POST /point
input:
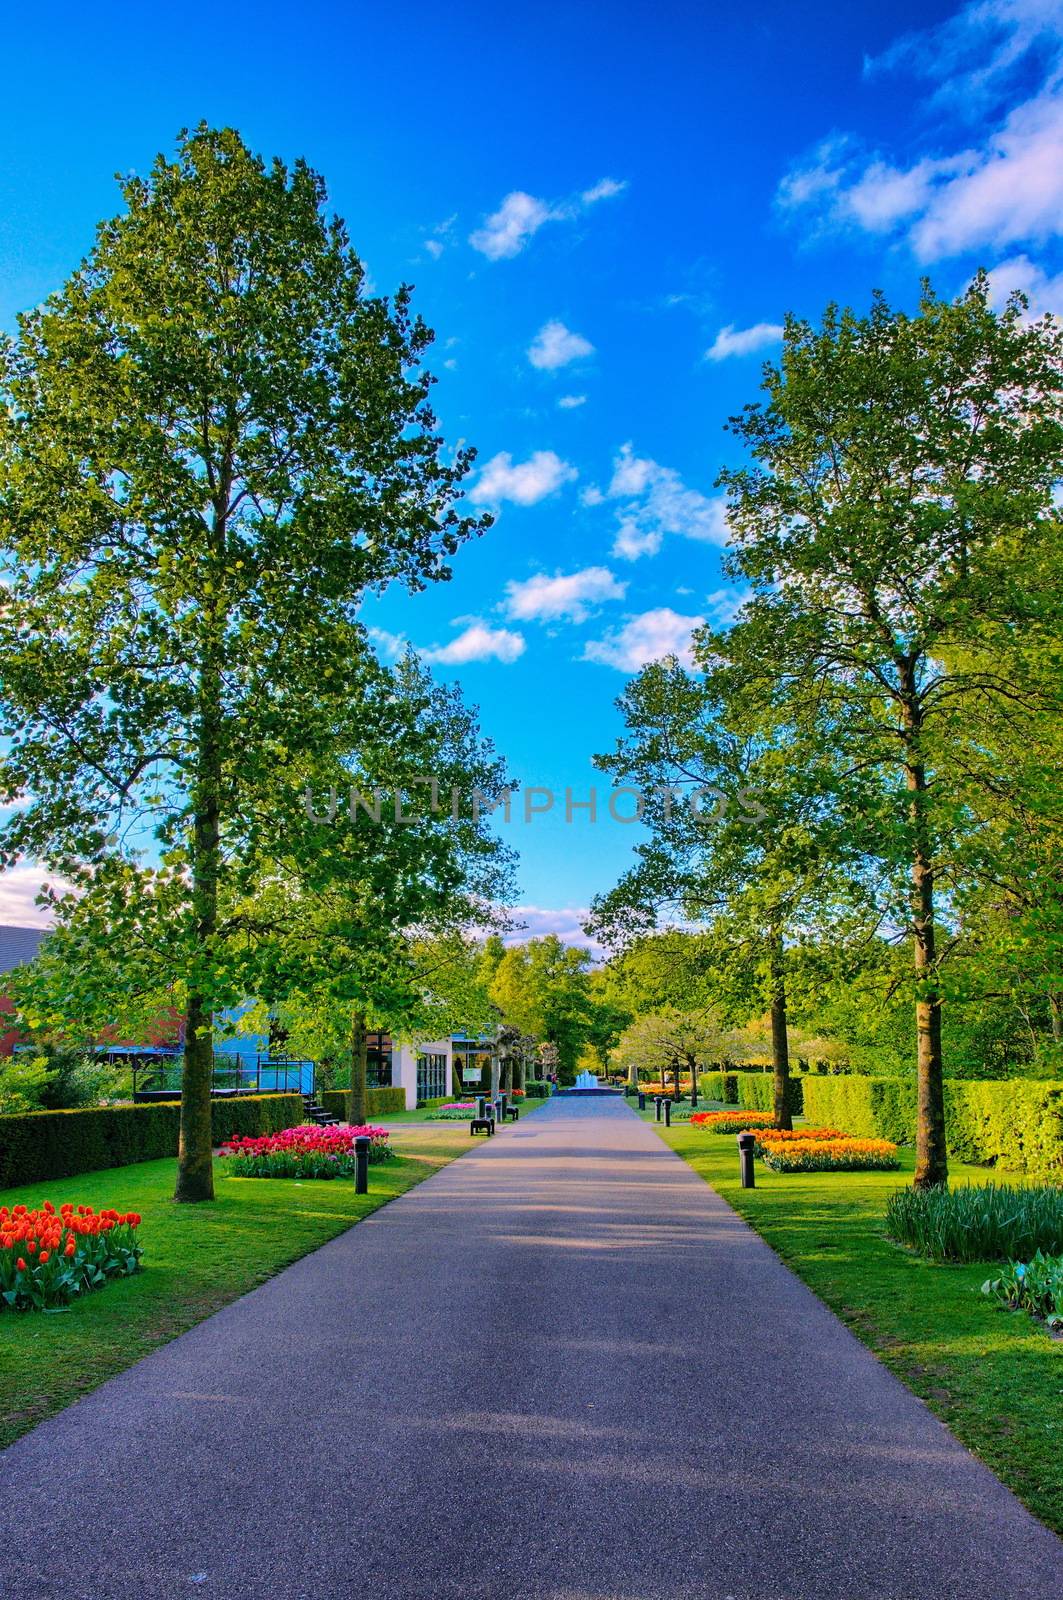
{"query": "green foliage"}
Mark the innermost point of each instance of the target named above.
(24, 1082)
(537, 1088)
(1035, 1286)
(213, 443)
(544, 988)
(1017, 1125)
(60, 1144)
(756, 1092)
(382, 1102)
(980, 1222)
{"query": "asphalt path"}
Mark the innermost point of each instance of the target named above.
(561, 1368)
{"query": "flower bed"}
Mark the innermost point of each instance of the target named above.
(831, 1155)
(308, 1151)
(732, 1121)
(456, 1111)
(47, 1257)
(1035, 1286)
(777, 1136)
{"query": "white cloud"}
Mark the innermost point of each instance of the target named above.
(571, 595)
(647, 637)
(507, 230)
(656, 502)
(566, 921)
(1004, 190)
(19, 888)
(555, 346)
(440, 237)
(732, 341)
(389, 645)
(478, 642)
(1043, 292)
(525, 483)
(569, 402)
(604, 189)
(520, 216)
(724, 605)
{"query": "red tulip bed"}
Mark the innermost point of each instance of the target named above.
(48, 1257)
(305, 1152)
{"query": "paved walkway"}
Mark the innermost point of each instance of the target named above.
(561, 1368)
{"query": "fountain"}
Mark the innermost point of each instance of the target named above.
(587, 1083)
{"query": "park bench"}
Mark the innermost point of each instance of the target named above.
(482, 1125)
(513, 1112)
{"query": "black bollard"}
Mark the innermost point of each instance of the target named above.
(481, 1106)
(668, 1113)
(642, 1101)
(656, 1108)
(746, 1141)
(361, 1165)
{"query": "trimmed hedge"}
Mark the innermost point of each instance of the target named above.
(382, 1102)
(756, 1092)
(753, 1090)
(1015, 1123)
(538, 1088)
(40, 1145)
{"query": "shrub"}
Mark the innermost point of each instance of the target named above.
(60, 1144)
(309, 1151)
(1016, 1124)
(756, 1091)
(1035, 1286)
(731, 1121)
(537, 1088)
(831, 1155)
(47, 1256)
(980, 1222)
(381, 1102)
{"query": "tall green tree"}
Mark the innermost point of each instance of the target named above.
(897, 499)
(744, 842)
(213, 444)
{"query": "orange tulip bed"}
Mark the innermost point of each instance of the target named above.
(732, 1121)
(829, 1155)
(48, 1257)
(765, 1136)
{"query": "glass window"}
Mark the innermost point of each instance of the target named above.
(431, 1077)
(378, 1060)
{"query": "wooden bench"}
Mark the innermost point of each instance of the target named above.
(513, 1112)
(482, 1125)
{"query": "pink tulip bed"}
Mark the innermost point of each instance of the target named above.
(305, 1152)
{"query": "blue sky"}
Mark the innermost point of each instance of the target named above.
(606, 211)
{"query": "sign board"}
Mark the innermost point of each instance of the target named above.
(471, 1074)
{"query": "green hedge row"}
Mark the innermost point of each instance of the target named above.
(1015, 1124)
(40, 1145)
(754, 1090)
(537, 1088)
(382, 1102)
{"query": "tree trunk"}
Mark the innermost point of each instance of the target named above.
(358, 1093)
(195, 1159)
(693, 1081)
(780, 1045)
(633, 1077)
(1055, 1011)
(931, 1153)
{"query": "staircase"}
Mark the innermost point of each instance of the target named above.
(317, 1113)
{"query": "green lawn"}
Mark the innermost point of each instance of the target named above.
(996, 1378)
(196, 1259)
(423, 1114)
